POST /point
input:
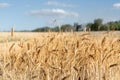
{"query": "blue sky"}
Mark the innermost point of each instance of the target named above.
(31, 14)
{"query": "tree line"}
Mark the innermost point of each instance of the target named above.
(97, 25)
(64, 27)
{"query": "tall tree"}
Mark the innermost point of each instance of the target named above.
(89, 26)
(97, 24)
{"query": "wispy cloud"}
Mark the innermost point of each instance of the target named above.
(3, 5)
(116, 5)
(61, 13)
(55, 3)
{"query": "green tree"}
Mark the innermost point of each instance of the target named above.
(111, 25)
(103, 28)
(56, 29)
(66, 27)
(97, 24)
(42, 29)
(118, 25)
(89, 26)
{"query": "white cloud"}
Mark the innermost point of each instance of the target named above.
(55, 3)
(116, 5)
(2, 5)
(53, 13)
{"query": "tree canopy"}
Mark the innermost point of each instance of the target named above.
(97, 25)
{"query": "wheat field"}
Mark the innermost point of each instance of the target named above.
(60, 56)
